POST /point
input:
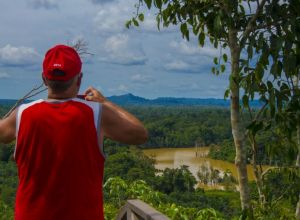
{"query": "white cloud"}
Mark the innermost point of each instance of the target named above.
(47, 4)
(18, 56)
(186, 65)
(189, 57)
(120, 89)
(100, 1)
(177, 65)
(123, 88)
(117, 42)
(119, 50)
(187, 48)
(139, 78)
(113, 15)
(4, 75)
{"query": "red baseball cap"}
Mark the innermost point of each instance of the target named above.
(63, 58)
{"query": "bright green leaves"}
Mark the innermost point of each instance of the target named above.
(217, 24)
(128, 24)
(158, 4)
(184, 31)
(216, 60)
(245, 101)
(255, 126)
(222, 68)
(132, 21)
(225, 57)
(148, 3)
(276, 69)
(219, 66)
(201, 39)
(213, 70)
(141, 17)
(135, 22)
(118, 191)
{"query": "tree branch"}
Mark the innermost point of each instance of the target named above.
(277, 168)
(81, 46)
(251, 23)
(36, 90)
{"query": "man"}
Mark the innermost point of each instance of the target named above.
(59, 140)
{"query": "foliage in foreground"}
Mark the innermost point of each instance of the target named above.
(117, 191)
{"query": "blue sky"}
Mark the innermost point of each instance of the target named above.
(142, 61)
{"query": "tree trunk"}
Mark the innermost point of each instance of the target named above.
(297, 214)
(257, 172)
(298, 209)
(298, 143)
(237, 129)
(296, 86)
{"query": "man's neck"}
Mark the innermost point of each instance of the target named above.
(60, 96)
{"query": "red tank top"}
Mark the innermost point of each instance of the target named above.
(60, 161)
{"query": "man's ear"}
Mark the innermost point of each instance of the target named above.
(79, 79)
(45, 81)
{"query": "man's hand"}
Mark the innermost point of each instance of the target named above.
(91, 94)
(116, 123)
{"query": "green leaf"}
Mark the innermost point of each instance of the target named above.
(216, 43)
(259, 73)
(183, 28)
(227, 93)
(258, 126)
(148, 3)
(201, 39)
(216, 60)
(195, 29)
(141, 17)
(158, 22)
(242, 9)
(213, 70)
(245, 100)
(135, 22)
(158, 3)
(223, 68)
(225, 57)
(128, 24)
(270, 85)
(217, 23)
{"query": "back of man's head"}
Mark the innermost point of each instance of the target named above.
(60, 66)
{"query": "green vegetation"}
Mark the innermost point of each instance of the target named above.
(172, 192)
(225, 151)
(259, 44)
(183, 126)
(8, 181)
(130, 174)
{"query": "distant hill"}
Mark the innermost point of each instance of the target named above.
(130, 99)
(11, 101)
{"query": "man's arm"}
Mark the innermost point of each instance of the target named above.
(118, 124)
(8, 128)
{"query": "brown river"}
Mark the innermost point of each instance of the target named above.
(192, 157)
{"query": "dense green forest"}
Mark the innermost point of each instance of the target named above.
(130, 174)
(183, 126)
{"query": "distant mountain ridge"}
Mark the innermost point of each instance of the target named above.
(130, 99)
